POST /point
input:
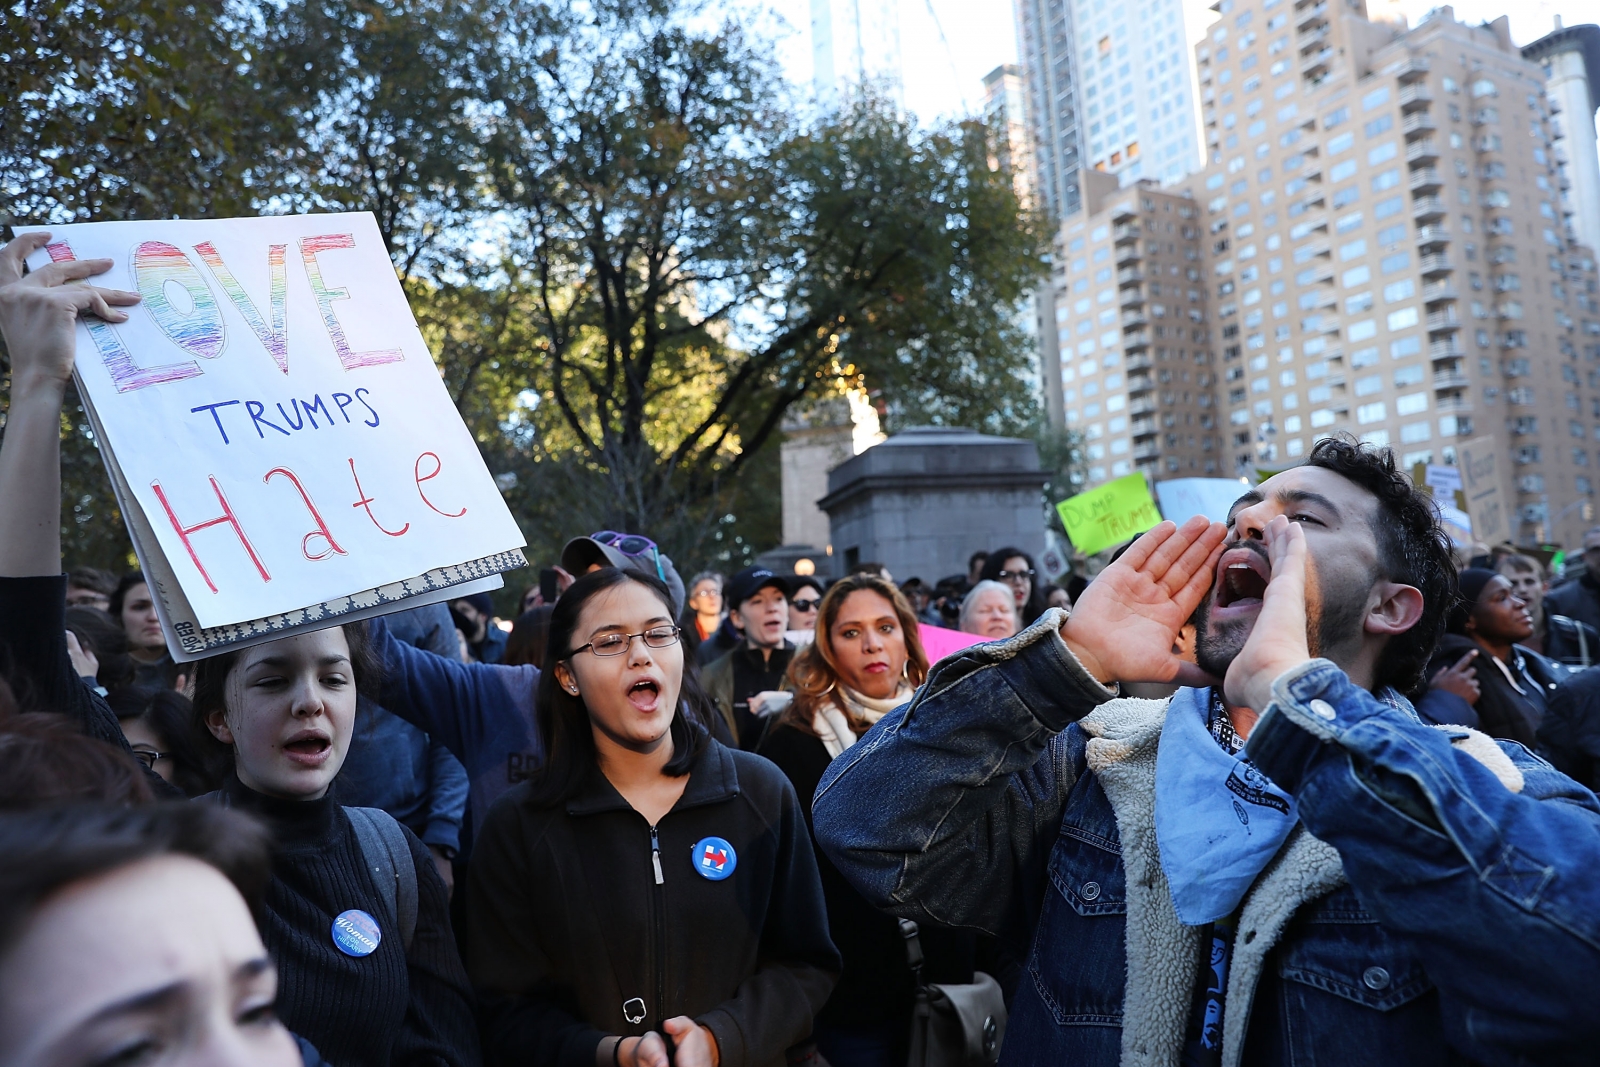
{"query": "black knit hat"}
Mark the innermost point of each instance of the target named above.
(1470, 584)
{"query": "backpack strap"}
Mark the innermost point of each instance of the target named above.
(389, 861)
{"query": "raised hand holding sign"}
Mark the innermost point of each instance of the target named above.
(276, 432)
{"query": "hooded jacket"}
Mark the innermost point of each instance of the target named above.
(570, 936)
(1434, 906)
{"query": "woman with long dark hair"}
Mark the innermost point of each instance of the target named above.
(1014, 569)
(866, 660)
(650, 896)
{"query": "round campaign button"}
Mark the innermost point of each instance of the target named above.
(714, 858)
(355, 933)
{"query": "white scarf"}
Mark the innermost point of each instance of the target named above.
(833, 728)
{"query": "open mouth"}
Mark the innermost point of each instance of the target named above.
(645, 694)
(309, 748)
(1242, 576)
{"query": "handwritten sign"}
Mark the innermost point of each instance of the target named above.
(1479, 462)
(1114, 513)
(276, 430)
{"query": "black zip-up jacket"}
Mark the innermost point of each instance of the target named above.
(570, 936)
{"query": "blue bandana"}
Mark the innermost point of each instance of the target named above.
(1218, 819)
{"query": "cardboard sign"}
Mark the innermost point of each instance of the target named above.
(1183, 498)
(275, 429)
(1116, 512)
(1479, 463)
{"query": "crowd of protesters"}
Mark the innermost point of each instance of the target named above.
(655, 822)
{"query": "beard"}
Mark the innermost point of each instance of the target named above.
(1334, 614)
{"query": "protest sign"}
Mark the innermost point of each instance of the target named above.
(276, 432)
(1479, 462)
(1183, 498)
(1115, 512)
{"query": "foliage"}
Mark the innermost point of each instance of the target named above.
(631, 252)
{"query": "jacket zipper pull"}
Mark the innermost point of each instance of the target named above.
(655, 855)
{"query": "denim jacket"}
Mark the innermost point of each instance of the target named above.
(1439, 903)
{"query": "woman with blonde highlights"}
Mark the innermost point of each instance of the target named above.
(866, 661)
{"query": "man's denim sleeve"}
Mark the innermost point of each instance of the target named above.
(1489, 863)
(947, 808)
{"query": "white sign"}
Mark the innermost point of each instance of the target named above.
(276, 430)
(1445, 480)
(1181, 499)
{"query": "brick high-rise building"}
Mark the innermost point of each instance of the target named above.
(1386, 253)
(1377, 246)
(1137, 361)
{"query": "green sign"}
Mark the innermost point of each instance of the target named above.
(1109, 515)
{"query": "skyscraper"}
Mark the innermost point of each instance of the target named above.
(1571, 60)
(855, 42)
(1108, 89)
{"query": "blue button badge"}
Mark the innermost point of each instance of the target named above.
(355, 933)
(714, 858)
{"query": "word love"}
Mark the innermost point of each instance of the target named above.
(158, 267)
(321, 537)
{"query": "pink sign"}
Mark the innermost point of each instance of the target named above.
(939, 642)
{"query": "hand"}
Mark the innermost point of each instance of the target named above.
(83, 661)
(697, 1046)
(1461, 678)
(446, 869)
(1126, 623)
(770, 702)
(563, 581)
(39, 313)
(646, 1051)
(1277, 642)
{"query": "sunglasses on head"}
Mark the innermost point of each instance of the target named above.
(631, 545)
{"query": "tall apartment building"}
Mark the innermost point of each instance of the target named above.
(1138, 364)
(854, 42)
(1571, 60)
(1385, 250)
(1108, 89)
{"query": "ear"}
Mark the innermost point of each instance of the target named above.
(217, 723)
(1398, 609)
(564, 677)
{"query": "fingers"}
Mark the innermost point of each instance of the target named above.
(1206, 546)
(1189, 596)
(1464, 661)
(16, 251)
(1147, 543)
(70, 271)
(651, 1051)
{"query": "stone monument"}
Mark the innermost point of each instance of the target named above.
(928, 497)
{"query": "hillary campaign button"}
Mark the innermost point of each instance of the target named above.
(355, 933)
(714, 858)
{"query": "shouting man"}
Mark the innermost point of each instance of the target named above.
(1278, 865)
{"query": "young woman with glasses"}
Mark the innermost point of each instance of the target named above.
(650, 897)
(1014, 568)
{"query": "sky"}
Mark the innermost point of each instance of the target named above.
(947, 46)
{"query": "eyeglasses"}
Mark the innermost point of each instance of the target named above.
(804, 605)
(148, 757)
(1007, 576)
(617, 644)
(631, 545)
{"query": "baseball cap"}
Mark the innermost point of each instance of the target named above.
(581, 553)
(750, 581)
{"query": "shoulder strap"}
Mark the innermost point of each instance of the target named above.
(388, 858)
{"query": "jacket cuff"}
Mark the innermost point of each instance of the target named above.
(1314, 704)
(442, 833)
(1078, 691)
(730, 1039)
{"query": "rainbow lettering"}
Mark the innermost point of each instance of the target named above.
(157, 265)
(276, 338)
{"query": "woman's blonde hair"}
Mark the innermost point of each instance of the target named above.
(814, 674)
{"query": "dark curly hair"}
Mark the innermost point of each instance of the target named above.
(1412, 549)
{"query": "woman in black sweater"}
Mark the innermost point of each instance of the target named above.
(866, 661)
(651, 897)
(286, 709)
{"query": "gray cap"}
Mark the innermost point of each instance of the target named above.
(581, 553)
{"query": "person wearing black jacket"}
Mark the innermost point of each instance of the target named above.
(650, 897)
(1514, 682)
(866, 660)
